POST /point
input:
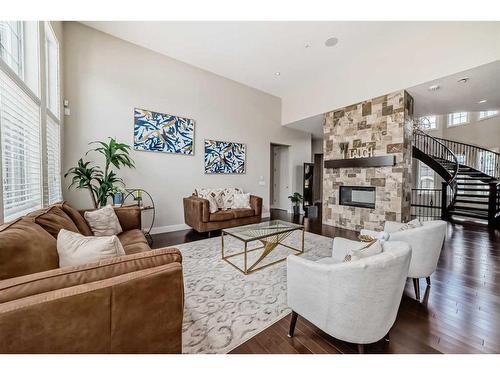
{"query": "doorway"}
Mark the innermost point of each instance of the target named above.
(280, 177)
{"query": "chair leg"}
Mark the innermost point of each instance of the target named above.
(387, 338)
(361, 348)
(293, 321)
(428, 279)
(416, 286)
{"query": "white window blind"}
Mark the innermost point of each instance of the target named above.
(20, 146)
(53, 161)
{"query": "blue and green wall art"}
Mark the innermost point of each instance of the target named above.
(223, 157)
(154, 131)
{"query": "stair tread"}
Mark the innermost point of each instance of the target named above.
(471, 201)
(473, 195)
(465, 208)
(469, 214)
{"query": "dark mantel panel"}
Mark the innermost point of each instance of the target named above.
(375, 161)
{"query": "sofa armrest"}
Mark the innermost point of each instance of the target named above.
(392, 226)
(137, 312)
(196, 209)
(256, 204)
(60, 278)
(128, 216)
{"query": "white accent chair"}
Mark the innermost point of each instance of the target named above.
(353, 301)
(426, 243)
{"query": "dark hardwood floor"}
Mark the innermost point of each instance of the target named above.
(459, 312)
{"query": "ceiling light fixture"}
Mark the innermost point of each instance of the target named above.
(434, 88)
(307, 45)
(277, 73)
(330, 42)
(463, 80)
(482, 101)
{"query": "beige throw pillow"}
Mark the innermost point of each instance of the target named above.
(103, 222)
(75, 249)
(212, 204)
(365, 251)
(241, 201)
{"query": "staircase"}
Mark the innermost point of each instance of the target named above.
(471, 177)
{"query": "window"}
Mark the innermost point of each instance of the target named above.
(21, 149)
(29, 179)
(11, 45)
(425, 176)
(52, 70)
(486, 114)
(458, 118)
(428, 122)
(53, 161)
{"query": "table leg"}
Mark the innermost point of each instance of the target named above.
(222, 239)
(246, 248)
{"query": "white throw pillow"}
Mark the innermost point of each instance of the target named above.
(75, 249)
(415, 223)
(241, 201)
(103, 222)
(212, 204)
(216, 194)
(227, 196)
(365, 251)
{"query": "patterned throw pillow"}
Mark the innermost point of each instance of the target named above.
(372, 248)
(241, 201)
(211, 195)
(227, 197)
(411, 224)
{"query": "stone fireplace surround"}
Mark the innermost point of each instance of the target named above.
(383, 126)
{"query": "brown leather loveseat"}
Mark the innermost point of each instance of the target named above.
(128, 304)
(197, 214)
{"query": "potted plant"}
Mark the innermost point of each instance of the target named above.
(101, 184)
(296, 199)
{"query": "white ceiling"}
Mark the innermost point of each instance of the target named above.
(452, 96)
(370, 59)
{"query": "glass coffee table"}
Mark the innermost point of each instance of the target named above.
(270, 234)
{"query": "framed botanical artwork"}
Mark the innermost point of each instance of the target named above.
(160, 132)
(222, 157)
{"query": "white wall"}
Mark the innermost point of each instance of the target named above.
(443, 49)
(105, 78)
(316, 147)
(484, 133)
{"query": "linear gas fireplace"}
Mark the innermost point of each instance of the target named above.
(357, 196)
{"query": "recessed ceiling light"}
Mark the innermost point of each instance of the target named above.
(434, 88)
(482, 101)
(330, 42)
(277, 73)
(463, 80)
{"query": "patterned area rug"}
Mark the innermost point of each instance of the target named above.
(224, 307)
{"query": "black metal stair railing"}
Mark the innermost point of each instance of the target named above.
(479, 158)
(440, 158)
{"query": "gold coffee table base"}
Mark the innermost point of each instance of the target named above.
(269, 243)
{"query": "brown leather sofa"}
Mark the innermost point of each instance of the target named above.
(197, 214)
(128, 304)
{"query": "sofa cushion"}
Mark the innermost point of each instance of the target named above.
(25, 248)
(242, 212)
(222, 216)
(77, 218)
(53, 219)
(135, 248)
(131, 237)
(59, 278)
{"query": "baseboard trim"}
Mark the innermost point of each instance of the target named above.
(176, 227)
(170, 228)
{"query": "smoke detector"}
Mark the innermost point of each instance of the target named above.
(463, 80)
(434, 88)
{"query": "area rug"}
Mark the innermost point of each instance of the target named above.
(223, 307)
